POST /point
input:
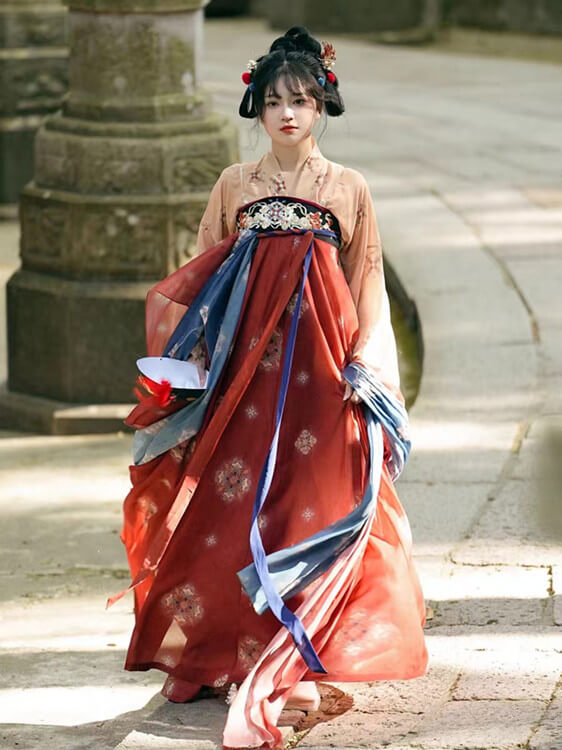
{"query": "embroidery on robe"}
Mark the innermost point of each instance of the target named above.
(233, 480)
(283, 214)
(305, 442)
(249, 651)
(256, 175)
(271, 358)
(293, 303)
(373, 261)
(184, 604)
(277, 184)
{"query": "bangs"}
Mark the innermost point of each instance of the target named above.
(295, 81)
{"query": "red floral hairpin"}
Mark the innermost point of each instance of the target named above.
(247, 74)
(328, 57)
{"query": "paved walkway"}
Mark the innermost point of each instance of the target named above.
(464, 158)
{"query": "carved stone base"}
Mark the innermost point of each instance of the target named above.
(76, 309)
(74, 341)
(122, 177)
(24, 413)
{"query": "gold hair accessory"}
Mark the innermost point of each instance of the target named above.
(328, 55)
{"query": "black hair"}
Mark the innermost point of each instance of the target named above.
(296, 56)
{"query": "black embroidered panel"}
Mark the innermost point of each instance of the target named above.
(283, 213)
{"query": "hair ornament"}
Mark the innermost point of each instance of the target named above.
(328, 55)
(247, 74)
(321, 80)
(331, 76)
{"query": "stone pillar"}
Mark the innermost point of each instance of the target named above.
(122, 178)
(33, 79)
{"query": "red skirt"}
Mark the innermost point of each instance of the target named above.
(193, 619)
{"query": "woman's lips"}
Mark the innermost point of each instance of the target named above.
(288, 128)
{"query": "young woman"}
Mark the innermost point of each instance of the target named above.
(266, 543)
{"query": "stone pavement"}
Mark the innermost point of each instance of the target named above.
(464, 158)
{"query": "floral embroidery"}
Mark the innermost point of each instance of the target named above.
(315, 220)
(305, 442)
(253, 342)
(233, 480)
(184, 604)
(293, 303)
(284, 213)
(309, 163)
(251, 412)
(249, 651)
(262, 522)
(320, 179)
(271, 358)
(308, 514)
(256, 175)
(303, 377)
(373, 261)
(277, 184)
(211, 540)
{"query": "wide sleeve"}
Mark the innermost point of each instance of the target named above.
(213, 225)
(362, 264)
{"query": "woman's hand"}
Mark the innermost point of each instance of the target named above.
(349, 392)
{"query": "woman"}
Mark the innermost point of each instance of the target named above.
(266, 542)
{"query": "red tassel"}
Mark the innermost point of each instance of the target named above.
(159, 394)
(331, 77)
(246, 77)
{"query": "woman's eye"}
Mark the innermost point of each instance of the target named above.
(271, 104)
(300, 100)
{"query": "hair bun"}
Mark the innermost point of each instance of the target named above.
(297, 39)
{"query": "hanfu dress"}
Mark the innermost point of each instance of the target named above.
(190, 513)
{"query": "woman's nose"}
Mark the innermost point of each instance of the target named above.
(288, 114)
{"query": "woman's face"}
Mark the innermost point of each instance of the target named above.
(288, 118)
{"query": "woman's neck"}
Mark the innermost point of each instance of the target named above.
(290, 158)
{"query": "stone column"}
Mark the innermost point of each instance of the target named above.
(33, 79)
(122, 178)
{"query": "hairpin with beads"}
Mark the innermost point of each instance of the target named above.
(247, 74)
(328, 58)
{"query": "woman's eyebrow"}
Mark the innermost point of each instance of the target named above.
(273, 94)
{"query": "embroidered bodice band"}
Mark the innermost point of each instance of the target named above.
(283, 213)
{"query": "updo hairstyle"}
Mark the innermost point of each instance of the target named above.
(296, 57)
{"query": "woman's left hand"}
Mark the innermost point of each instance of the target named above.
(350, 393)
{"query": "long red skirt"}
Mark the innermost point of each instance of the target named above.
(193, 619)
